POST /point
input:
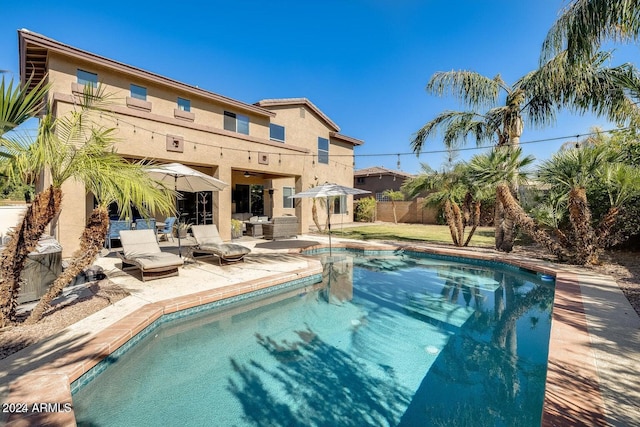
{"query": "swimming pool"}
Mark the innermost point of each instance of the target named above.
(383, 340)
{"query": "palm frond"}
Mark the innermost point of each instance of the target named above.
(500, 166)
(19, 103)
(455, 127)
(585, 24)
(474, 89)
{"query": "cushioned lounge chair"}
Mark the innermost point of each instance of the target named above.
(141, 250)
(209, 242)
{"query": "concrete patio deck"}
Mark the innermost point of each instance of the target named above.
(594, 354)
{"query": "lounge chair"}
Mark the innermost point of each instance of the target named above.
(208, 241)
(141, 250)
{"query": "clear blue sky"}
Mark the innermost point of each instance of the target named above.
(364, 63)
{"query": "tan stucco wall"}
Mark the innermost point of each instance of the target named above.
(206, 146)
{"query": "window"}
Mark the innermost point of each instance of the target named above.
(184, 104)
(236, 122)
(360, 180)
(286, 201)
(87, 78)
(138, 92)
(276, 132)
(380, 197)
(323, 150)
(340, 205)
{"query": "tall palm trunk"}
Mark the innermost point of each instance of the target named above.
(314, 214)
(498, 224)
(91, 243)
(393, 206)
(457, 216)
(529, 226)
(475, 220)
(450, 218)
(580, 217)
(24, 239)
(606, 226)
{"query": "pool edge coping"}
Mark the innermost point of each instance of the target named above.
(52, 382)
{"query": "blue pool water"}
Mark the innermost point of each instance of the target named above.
(383, 340)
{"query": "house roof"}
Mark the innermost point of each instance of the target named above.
(290, 102)
(34, 49)
(379, 170)
(346, 138)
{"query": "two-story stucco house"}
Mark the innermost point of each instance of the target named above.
(265, 151)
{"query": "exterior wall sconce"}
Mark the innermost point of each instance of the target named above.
(247, 174)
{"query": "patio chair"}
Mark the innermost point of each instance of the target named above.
(208, 241)
(141, 250)
(167, 231)
(281, 227)
(114, 230)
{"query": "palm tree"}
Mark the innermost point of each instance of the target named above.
(394, 196)
(572, 172)
(447, 190)
(67, 147)
(114, 181)
(585, 24)
(497, 111)
(19, 103)
(498, 169)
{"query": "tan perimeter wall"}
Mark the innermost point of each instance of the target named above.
(410, 212)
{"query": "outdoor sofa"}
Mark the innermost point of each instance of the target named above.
(209, 242)
(141, 250)
(281, 227)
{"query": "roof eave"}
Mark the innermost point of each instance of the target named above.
(283, 102)
(26, 37)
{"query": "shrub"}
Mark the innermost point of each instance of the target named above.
(365, 209)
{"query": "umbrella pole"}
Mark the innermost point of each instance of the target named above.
(329, 226)
(178, 213)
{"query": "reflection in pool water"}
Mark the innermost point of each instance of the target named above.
(383, 340)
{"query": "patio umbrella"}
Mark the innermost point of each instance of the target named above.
(186, 179)
(326, 191)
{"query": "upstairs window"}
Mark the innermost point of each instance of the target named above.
(236, 122)
(287, 202)
(276, 132)
(138, 92)
(323, 150)
(360, 180)
(184, 104)
(87, 78)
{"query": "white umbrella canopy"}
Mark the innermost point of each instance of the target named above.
(327, 190)
(186, 179)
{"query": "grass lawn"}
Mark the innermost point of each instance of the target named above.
(483, 236)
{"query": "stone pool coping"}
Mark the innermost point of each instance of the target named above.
(594, 349)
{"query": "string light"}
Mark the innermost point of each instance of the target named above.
(409, 153)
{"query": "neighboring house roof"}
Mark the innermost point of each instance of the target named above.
(34, 48)
(286, 102)
(379, 170)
